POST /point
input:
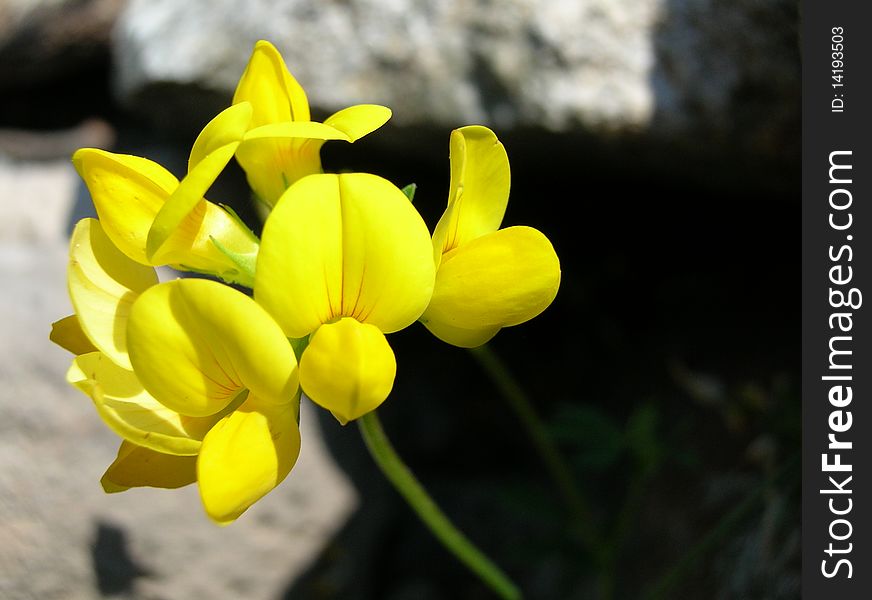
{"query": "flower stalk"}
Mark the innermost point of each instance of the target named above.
(413, 492)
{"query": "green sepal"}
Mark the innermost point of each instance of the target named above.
(299, 344)
(229, 210)
(410, 190)
(246, 263)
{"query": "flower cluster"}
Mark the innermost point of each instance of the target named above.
(202, 381)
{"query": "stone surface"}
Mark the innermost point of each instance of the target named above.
(61, 537)
(669, 69)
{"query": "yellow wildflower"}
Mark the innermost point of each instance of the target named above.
(156, 220)
(189, 367)
(487, 278)
(284, 144)
(345, 259)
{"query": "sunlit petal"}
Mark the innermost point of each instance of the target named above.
(103, 283)
(246, 455)
(131, 412)
(344, 245)
(456, 336)
(500, 279)
(128, 191)
(276, 155)
(270, 88)
(479, 189)
(68, 334)
(136, 466)
(283, 145)
(228, 127)
(294, 130)
(196, 343)
(348, 368)
(212, 151)
(359, 120)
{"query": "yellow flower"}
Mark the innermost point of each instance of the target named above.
(487, 278)
(156, 220)
(181, 369)
(283, 144)
(345, 259)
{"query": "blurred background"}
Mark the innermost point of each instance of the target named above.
(656, 143)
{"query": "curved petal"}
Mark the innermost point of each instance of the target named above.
(456, 336)
(195, 344)
(273, 92)
(347, 245)
(131, 412)
(214, 241)
(294, 130)
(359, 120)
(68, 334)
(136, 466)
(246, 455)
(348, 368)
(501, 279)
(103, 283)
(227, 127)
(128, 191)
(479, 190)
(277, 155)
(212, 150)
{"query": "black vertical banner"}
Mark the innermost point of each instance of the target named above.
(837, 300)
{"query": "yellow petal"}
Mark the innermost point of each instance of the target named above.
(359, 120)
(212, 151)
(246, 455)
(348, 368)
(195, 344)
(103, 283)
(457, 336)
(347, 245)
(479, 190)
(272, 91)
(294, 130)
(67, 333)
(131, 412)
(128, 191)
(500, 279)
(197, 245)
(136, 466)
(226, 128)
(275, 156)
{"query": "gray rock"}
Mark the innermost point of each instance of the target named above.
(687, 70)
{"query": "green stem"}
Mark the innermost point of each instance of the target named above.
(554, 462)
(408, 486)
